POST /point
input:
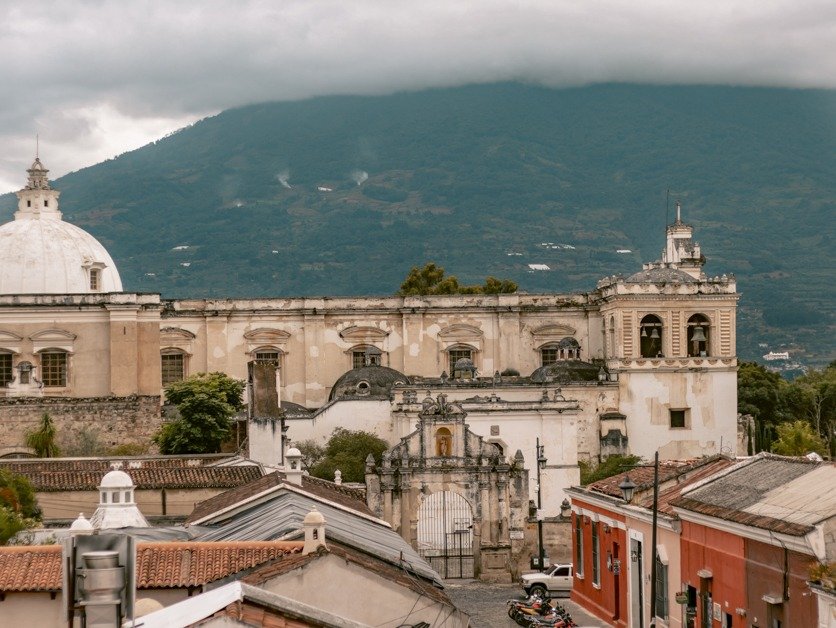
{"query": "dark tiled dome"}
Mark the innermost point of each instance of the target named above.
(565, 371)
(367, 381)
(661, 275)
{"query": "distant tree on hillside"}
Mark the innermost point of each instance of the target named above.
(206, 403)
(431, 280)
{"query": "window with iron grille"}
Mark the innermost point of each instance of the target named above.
(172, 367)
(268, 356)
(6, 372)
(95, 279)
(596, 558)
(456, 355)
(579, 545)
(548, 355)
(54, 368)
(661, 589)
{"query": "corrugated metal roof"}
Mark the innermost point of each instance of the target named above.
(782, 494)
(281, 517)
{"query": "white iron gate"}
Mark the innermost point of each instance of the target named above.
(445, 534)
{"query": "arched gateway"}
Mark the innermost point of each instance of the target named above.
(453, 496)
(445, 534)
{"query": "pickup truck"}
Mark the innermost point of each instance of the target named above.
(557, 578)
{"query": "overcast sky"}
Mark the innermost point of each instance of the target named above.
(97, 78)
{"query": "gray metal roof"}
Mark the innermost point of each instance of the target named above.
(280, 518)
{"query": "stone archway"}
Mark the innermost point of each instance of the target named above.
(445, 534)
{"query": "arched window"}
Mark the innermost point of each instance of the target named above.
(461, 352)
(612, 350)
(366, 355)
(268, 354)
(53, 368)
(172, 365)
(549, 354)
(651, 336)
(443, 442)
(6, 370)
(698, 336)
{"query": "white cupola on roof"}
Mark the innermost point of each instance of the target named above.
(42, 254)
(117, 508)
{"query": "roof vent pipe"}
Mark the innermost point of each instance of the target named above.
(101, 582)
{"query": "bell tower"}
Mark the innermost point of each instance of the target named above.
(670, 340)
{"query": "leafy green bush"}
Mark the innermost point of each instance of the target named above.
(346, 451)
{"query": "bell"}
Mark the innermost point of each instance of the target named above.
(654, 334)
(698, 335)
(644, 332)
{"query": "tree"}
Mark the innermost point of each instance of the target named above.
(206, 403)
(760, 393)
(813, 397)
(346, 451)
(431, 280)
(18, 507)
(609, 467)
(798, 439)
(312, 453)
(42, 439)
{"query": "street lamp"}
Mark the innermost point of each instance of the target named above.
(541, 462)
(627, 487)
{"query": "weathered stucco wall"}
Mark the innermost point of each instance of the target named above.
(117, 420)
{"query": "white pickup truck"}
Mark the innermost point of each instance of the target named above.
(557, 579)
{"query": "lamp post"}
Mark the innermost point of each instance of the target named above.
(541, 462)
(627, 487)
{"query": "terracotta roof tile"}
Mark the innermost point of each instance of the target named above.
(85, 475)
(30, 568)
(158, 565)
(343, 495)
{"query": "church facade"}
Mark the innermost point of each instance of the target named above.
(637, 364)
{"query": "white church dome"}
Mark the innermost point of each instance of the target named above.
(116, 479)
(42, 254)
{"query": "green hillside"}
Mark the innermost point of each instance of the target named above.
(479, 179)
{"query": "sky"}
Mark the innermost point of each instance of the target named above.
(93, 79)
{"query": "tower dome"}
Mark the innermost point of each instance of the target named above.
(42, 254)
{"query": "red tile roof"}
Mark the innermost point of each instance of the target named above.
(156, 473)
(343, 495)
(159, 565)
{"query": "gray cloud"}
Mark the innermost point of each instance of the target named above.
(100, 77)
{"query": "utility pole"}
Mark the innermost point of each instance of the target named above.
(541, 460)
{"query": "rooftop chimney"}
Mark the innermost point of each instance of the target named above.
(314, 524)
(265, 418)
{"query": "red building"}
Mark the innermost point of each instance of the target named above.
(749, 537)
(612, 543)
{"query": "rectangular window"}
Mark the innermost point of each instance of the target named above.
(54, 368)
(677, 418)
(661, 589)
(6, 372)
(579, 545)
(95, 279)
(173, 367)
(548, 355)
(596, 555)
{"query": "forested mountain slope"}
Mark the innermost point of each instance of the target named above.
(342, 195)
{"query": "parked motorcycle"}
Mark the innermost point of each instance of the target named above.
(536, 611)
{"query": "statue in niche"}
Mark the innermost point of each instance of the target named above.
(443, 443)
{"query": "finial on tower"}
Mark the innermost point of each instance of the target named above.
(37, 146)
(678, 212)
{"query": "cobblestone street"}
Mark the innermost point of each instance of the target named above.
(485, 603)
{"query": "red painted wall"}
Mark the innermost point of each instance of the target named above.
(609, 600)
(767, 567)
(723, 554)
